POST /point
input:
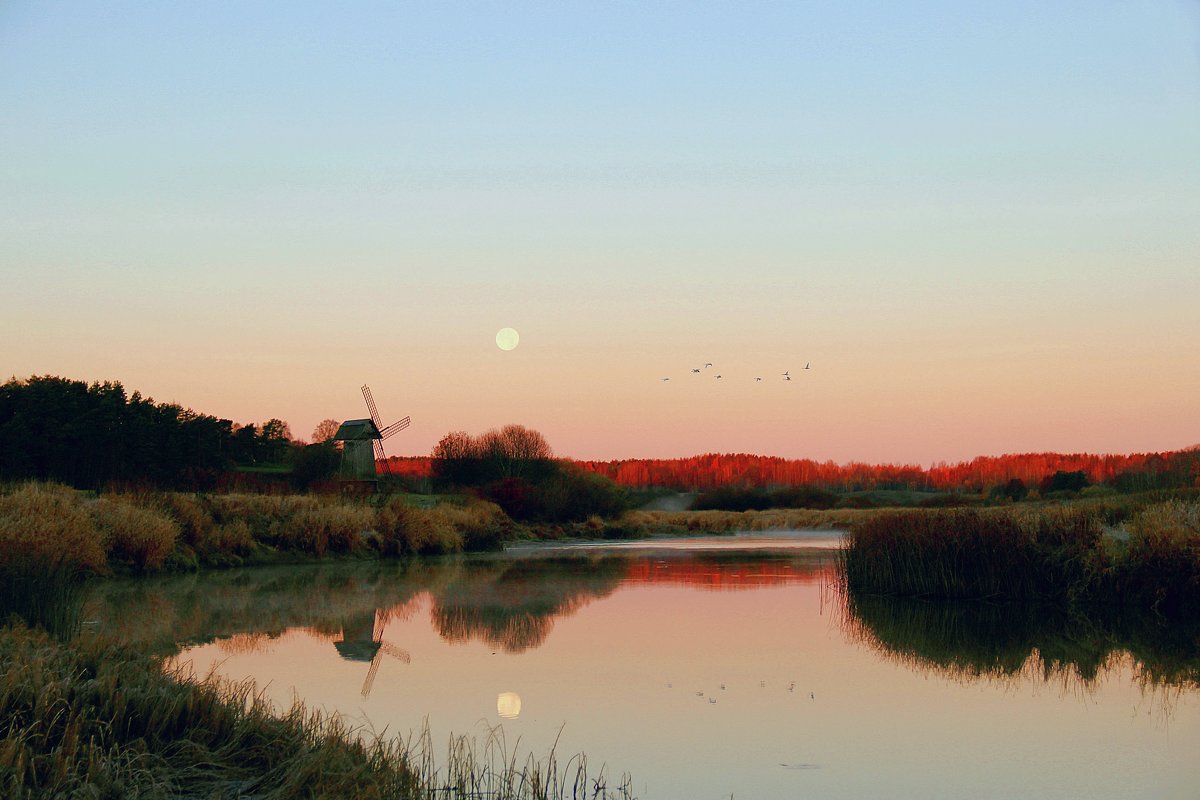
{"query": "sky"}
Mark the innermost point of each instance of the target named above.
(978, 223)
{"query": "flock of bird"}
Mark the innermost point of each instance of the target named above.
(786, 375)
(761, 684)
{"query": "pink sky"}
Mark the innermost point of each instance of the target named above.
(979, 226)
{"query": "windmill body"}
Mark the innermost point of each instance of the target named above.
(362, 442)
(358, 438)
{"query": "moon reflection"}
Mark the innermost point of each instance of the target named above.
(508, 705)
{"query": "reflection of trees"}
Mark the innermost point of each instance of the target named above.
(974, 640)
(511, 604)
(722, 571)
(507, 602)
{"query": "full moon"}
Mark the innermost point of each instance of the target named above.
(507, 339)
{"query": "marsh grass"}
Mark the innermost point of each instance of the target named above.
(148, 532)
(1160, 565)
(970, 554)
(491, 769)
(722, 522)
(100, 722)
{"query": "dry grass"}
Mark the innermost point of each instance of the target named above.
(730, 521)
(51, 525)
(59, 528)
(144, 537)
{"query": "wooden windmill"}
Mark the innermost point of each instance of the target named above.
(362, 442)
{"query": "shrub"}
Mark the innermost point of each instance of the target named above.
(573, 495)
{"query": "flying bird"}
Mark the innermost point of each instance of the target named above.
(718, 377)
(758, 379)
(695, 370)
(664, 379)
(787, 377)
(785, 374)
(806, 366)
(707, 364)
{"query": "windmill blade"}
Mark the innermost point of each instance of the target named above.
(371, 673)
(366, 390)
(381, 456)
(396, 427)
(397, 653)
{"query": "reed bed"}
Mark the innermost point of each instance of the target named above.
(1032, 554)
(1160, 565)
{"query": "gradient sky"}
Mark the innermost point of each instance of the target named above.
(979, 222)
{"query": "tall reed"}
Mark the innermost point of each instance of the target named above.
(961, 554)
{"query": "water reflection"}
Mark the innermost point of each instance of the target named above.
(509, 603)
(701, 673)
(974, 640)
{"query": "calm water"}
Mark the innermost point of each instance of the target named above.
(704, 669)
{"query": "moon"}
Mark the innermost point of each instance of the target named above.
(507, 339)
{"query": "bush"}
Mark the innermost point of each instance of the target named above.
(573, 495)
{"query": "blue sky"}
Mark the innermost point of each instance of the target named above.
(251, 208)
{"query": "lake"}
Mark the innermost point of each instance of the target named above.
(718, 667)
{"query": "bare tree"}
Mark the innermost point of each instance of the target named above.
(523, 444)
(325, 430)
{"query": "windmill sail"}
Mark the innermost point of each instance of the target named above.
(384, 433)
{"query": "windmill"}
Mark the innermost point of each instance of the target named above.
(384, 433)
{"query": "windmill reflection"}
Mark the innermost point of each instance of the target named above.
(362, 640)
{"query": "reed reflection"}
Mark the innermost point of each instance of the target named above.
(983, 641)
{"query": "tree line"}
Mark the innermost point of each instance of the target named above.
(92, 435)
